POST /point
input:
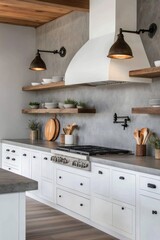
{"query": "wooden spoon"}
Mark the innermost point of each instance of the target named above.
(136, 136)
(144, 133)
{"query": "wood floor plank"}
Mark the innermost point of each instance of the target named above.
(46, 223)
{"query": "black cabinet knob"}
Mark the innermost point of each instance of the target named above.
(60, 177)
(122, 208)
(81, 184)
(154, 212)
(150, 185)
(100, 172)
(122, 178)
(81, 204)
(7, 157)
(7, 150)
(24, 155)
(45, 158)
(59, 196)
(13, 159)
(34, 156)
(13, 151)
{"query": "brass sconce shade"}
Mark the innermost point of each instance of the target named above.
(121, 50)
(39, 65)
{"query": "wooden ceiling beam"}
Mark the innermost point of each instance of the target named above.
(21, 23)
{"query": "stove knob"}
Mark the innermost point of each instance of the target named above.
(84, 165)
(59, 159)
(54, 159)
(80, 164)
(75, 163)
(65, 161)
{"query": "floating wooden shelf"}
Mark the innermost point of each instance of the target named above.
(146, 72)
(59, 111)
(55, 85)
(146, 110)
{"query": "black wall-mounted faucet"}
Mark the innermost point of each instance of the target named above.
(124, 123)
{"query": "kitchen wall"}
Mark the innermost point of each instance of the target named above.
(71, 31)
(17, 47)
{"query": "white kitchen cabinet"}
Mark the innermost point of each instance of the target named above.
(101, 180)
(124, 219)
(74, 202)
(149, 218)
(47, 184)
(26, 162)
(149, 184)
(36, 170)
(73, 181)
(101, 211)
(123, 186)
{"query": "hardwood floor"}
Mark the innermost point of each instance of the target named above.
(46, 223)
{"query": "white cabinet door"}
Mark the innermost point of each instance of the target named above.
(123, 218)
(26, 163)
(100, 180)
(36, 170)
(123, 187)
(149, 218)
(74, 202)
(101, 212)
(47, 187)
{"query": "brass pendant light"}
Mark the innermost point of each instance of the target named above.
(39, 65)
(121, 50)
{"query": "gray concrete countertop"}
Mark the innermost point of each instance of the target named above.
(11, 183)
(146, 164)
(36, 145)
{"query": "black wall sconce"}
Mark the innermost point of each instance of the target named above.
(121, 50)
(123, 122)
(39, 65)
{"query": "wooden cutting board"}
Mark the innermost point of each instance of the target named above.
(50, 129)
(57, 129)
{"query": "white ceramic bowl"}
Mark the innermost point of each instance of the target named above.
(69, 106)
(47, 80)
(35, 84)
(61, 105)
(57, 78)
(154, 102)
(157, 63)
(51, 105)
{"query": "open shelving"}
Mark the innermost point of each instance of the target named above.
(152, 72)
(146, 110)
(59, 111)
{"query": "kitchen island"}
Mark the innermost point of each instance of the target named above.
(12, 204)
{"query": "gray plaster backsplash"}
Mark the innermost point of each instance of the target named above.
(72, 32)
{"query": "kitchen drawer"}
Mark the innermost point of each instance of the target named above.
(11, 169)
(150, 185)
(123, 219)
(12, 160)
(47, 190)
(74, 203)
(100, 180)
(73, 181)
(101, 211)
(10, 149)
(26, 163)
(123, 187)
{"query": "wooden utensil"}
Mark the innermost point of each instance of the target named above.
(137, 136)
(50, 129)
(144, 133)
(57, 129)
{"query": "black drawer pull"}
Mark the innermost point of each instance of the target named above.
(81, 204)
(9, 168)
(150, 185)
(7, 157)
(81, 184)
(24, 155)
(122, 208)
(13, 151)
(45, 158)
(122, 178)
(154, 212)
(100, 172)
(7, 150)
(13, 159)
(59, 196)
(34, 156)
(60, 177)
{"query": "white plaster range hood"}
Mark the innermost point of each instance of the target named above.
(90, 64)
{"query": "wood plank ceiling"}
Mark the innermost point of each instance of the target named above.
(35, 13)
